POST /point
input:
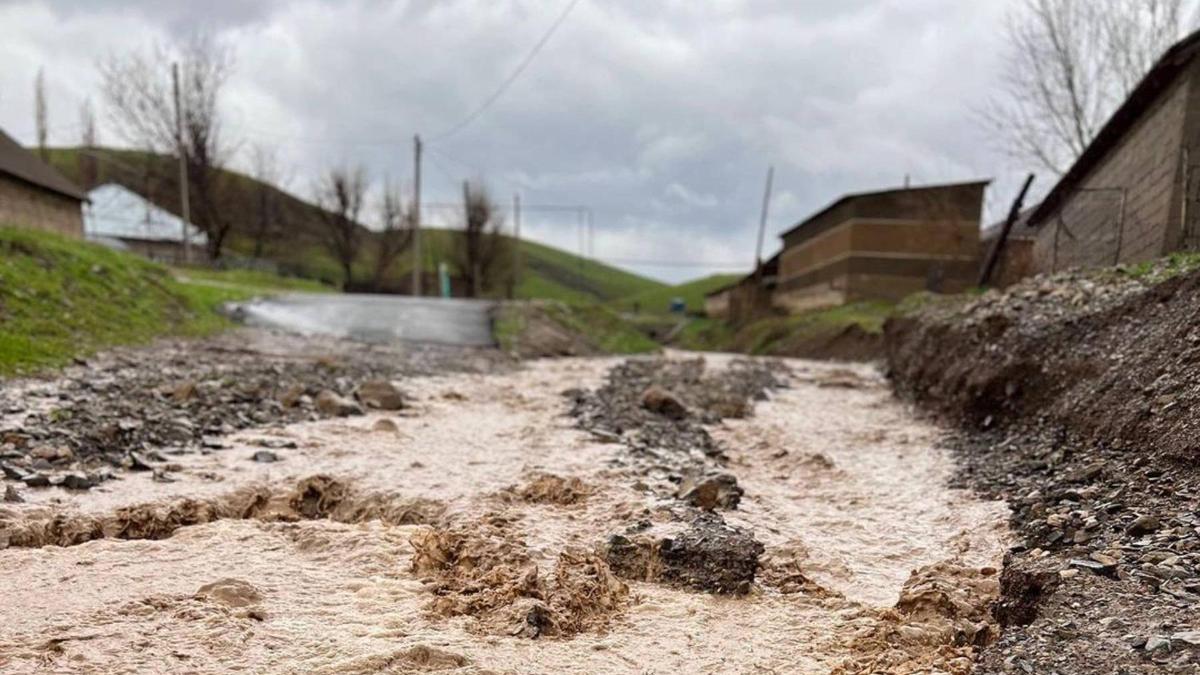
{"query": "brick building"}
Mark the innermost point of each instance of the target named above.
(1134, 193)
(882, 245)
(33, 194)
(1016, 257)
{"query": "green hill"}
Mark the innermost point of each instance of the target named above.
(294, 243)
(658, 300)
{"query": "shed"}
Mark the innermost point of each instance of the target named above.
(34, 194)
(119, 215)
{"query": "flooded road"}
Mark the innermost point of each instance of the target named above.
(415, 542)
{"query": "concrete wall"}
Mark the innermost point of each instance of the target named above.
(25, 205)
(716, 306)
(1144, 170)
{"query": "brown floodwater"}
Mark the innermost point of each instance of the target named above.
(842, 482)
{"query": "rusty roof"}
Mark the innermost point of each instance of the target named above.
(22, 164)
(1164, 73)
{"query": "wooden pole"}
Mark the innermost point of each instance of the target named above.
(516, 243)
(762, 222)
(416, 261)
(185, 206)
(989, 266)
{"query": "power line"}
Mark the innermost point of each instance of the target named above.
(511, 78)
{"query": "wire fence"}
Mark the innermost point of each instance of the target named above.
(1090, 228)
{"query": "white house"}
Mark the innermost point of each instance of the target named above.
(123, 219)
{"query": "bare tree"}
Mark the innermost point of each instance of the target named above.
(396, 231)
(89, 165)
(481, 248)
(40, 114)
(268, 174)
(1070, 63)
(138, 89)
(339, 194)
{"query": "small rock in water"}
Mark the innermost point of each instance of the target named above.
(380, 394)
(265, 456)
(139, 463)
(77, 481)
(332, 405)
(12, 496)
(36, 480)
(659, 400)
(710, 491)
(386, 424)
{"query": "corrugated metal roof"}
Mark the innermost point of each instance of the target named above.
(20, 163)
(117, 212)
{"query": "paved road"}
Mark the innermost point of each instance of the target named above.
(376, 318)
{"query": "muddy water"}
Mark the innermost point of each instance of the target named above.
(840, 482)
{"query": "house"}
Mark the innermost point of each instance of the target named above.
(33, 194)
(1133, 194)
(1016, 258)
(121, 218)
(746, 298)
(882, 246)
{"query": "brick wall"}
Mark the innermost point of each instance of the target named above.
(24, 205)
(1145, 171)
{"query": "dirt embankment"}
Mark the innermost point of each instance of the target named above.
(1077, 395)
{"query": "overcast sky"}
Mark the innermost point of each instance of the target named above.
(661, 116)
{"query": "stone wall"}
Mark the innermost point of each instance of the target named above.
(25, 205)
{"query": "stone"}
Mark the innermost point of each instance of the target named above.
(1095, 566)
(11, 495)
(265, 457)
(386, 425)
(292, 396)
(658, 400)
(711, 491)
(709, 556)
(139, 463)
(230, 593)
(11, 472)
(77, 481)
(1143, 525)
(1189, 637)
(1156, 644)
(380, 394)
(36, 479)
(331, 404)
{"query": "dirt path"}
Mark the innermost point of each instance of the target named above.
(449, 537)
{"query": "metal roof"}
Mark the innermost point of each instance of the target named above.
(22, 164)
(875, 193)
(119, 213)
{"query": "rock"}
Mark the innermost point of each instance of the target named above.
(292, 396)
(386, 425)
(230, 592)
(1022, 593)
(1190, 637)
(711, 491)
(11, 495)
(1108, 570)
(331, 404)
(265, 457)
(77, 481)
(11, 472)
(52, 453)
(36, 479)
(380, 394)
(1143, 525)
(184, 391)
(709, 556)
(659, 400)
(139, 463)
(1157, 644)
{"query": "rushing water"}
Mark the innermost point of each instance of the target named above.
(840, 480)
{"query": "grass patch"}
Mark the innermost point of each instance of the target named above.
(1162, 269)
(773, 335)
(251, 280)
(658, 300)
(705, 335)
(593, 327)
(62, 298)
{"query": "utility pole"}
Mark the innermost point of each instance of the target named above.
(762, 222)
(184, 205)
(516, 244)
(416, 261)
(591, 236)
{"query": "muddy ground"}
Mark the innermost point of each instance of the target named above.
(576, 515)
(1077, 396)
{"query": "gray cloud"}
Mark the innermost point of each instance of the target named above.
(660, 116)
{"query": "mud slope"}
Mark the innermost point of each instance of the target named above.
(552, 519)
(1078, 396)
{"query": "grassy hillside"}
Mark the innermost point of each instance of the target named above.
(659, 299)
(294, 241)
(61, 298)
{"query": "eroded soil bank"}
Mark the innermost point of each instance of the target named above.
(555, 518)
(1077, 396)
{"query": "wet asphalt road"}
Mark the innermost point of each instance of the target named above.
(376, 318)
